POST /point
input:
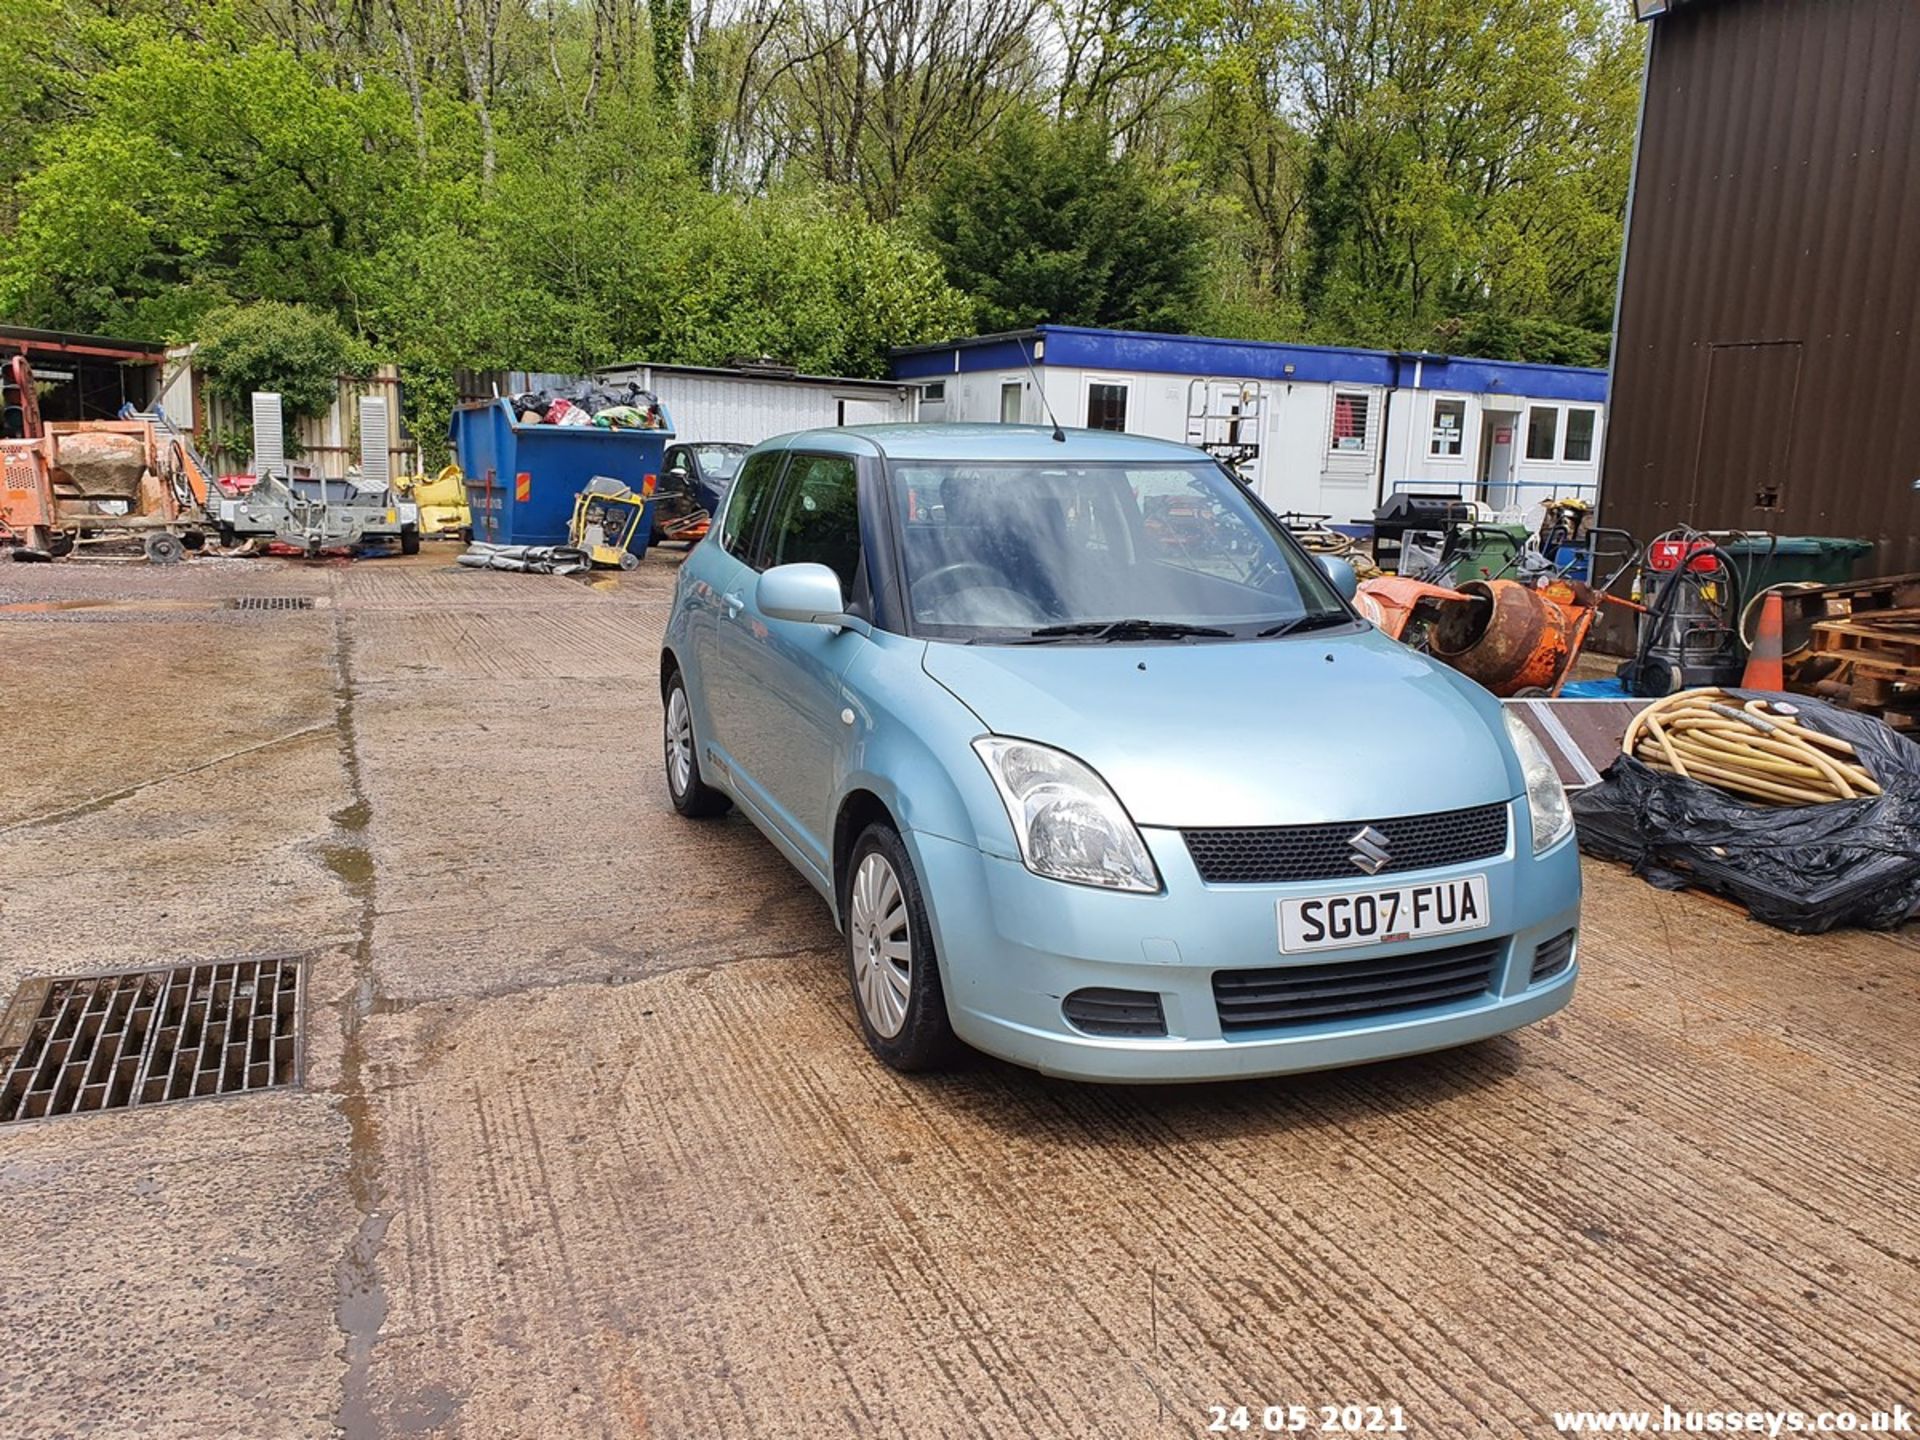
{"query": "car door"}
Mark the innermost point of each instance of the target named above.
(792, 738)
(717, 577)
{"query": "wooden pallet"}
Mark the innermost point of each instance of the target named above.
(1874, 655)
(1807, 608)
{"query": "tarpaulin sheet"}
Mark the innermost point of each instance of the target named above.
(1804, 868)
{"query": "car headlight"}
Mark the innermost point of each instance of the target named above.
(1069, 824)
(1546, 796)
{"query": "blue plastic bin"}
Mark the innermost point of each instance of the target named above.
(522, 479)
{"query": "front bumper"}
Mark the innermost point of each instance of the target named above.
(1013, 945)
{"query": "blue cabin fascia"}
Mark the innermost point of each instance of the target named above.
(1078, 347)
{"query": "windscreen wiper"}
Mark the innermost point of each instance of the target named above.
(1123, 630)
(1319, 621)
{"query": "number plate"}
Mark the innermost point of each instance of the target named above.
(1379, 917)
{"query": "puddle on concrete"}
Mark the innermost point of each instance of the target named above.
(351, 863)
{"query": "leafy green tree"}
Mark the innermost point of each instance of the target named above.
(204, 171)
(1049, 225)
(483, 184)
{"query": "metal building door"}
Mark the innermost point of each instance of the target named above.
(1746, 432)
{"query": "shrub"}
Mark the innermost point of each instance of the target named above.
(297, 352)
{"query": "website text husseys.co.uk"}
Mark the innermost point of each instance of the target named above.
(1667, 1420)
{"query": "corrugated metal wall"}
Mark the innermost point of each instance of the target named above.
(1767, 372)
(752, 408)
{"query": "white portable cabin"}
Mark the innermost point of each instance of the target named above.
(1317, 430)
(751, 404)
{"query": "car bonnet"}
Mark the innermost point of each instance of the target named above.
(1302, 730)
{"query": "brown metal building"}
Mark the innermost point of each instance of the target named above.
(1767, 361)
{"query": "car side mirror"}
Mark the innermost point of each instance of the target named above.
(806, 593)
(1340, 573)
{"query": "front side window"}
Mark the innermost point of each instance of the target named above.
(1543, 432)
(1580, 427)
(1449, 429)
(818, 517)
(1013, 551)
(1350, 412)
(746, 501)
(1106, 406)
(1010, 402)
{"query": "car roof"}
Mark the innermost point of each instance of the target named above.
(984, 442)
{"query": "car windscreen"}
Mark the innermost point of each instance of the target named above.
(719, 463)
(1100, 551)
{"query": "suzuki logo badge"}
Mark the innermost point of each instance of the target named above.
(1369, 852)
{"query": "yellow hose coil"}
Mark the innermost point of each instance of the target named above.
(1758, 750)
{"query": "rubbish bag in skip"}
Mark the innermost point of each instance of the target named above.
(1804, 868)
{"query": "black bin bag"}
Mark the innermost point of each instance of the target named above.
(1804, 868)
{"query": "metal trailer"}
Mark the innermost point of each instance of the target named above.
(316, 513)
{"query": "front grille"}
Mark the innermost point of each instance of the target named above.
(1353, 989)
(1276, 854)
(1115, 1012)
(1550, 957)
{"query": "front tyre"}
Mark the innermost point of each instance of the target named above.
(890, 956)
(691, 796)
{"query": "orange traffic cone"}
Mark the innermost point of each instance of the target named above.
(1763, 659)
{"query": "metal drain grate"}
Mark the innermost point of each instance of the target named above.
(271, 602)
(143, 1037)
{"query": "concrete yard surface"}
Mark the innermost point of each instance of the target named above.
(587, 1142)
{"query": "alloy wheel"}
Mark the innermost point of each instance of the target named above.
(679, 741)
(882, 945)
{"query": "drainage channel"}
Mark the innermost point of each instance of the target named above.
(74, 1044)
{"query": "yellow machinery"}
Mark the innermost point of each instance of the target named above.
(607, 522)
(442, 500)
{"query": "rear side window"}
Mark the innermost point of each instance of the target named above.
(819, 517)
(746, 503)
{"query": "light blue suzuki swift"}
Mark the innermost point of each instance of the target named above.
(1097, 768)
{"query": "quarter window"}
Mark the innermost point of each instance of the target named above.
(1106, 406)
(745, 503)
(1449, 428)
(1580, 427)
(818, 518)
(1543, 432)
(1351, 409)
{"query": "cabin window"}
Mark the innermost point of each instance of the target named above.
(1449, 435)
(1350, 412)
(1543, 432)
(1580, 427)
(1106, 406)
